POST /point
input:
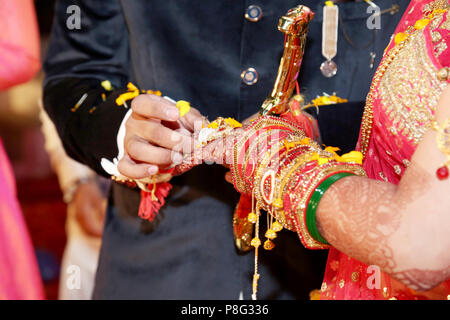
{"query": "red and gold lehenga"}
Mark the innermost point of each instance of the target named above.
(402, 100)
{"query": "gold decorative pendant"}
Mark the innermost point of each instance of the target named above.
(269, 245)
(329, 39)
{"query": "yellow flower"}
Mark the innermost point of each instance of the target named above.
(422, 23)
(304, 141)
(352, 156)
(399, 37)
(158, 93)
(233, 123)
(107, 85)
(184, 107)
(288, 145)
(131, 87)
(333, 150)
(213, 125)
(320, 160)
(126, 96)
(327, 100)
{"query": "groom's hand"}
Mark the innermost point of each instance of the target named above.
(155, 136)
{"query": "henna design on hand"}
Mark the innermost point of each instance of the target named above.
(359, 217)
(422, 279)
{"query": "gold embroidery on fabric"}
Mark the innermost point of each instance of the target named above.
(435, 36)
(438, 4)
(436, 22)
(334, 265)
(355, 276)
(436, 25)
(406, 163)
(439, 48)
(410, 90)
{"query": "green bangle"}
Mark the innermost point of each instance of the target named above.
(314, 203)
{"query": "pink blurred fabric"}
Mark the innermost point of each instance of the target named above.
(346, 278)
(19, 42)
(19, 273)
(19, 62)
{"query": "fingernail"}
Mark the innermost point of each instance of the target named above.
(177, 158)
(152, 170)
(172, 114)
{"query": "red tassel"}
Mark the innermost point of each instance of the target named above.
(148, 207)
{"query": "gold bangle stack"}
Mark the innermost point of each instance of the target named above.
(290, 167)
(281, 168)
